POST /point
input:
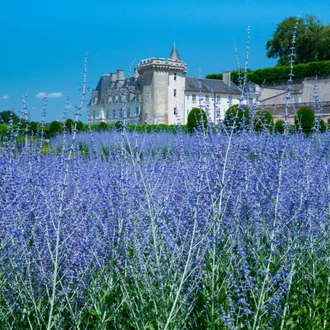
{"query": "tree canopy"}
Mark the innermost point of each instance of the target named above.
(312, 41)
(6, 115)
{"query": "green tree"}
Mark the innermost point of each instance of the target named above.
(311, 43)
(5, 117)
(33, 126)
(79, 126)
(197, 118)
(55, 127)
(324, 44)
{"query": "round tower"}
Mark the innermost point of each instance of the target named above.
(162, 84)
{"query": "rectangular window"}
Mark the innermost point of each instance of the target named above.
(207, 98)
(107, 114)
(174, 93)
(218, 99)
(114, 113)
(188, 97)
(175, 111)
(174, 76)
(193, 98)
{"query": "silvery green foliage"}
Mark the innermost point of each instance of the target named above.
(166, 231)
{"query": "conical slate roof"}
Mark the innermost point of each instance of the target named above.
(174, 54)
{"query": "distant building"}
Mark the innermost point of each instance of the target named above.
(303, 94)
(159, 92)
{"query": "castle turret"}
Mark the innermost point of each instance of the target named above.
(174, 56)
(163, 82)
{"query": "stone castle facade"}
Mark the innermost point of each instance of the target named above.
(304, 93)
(159, 92)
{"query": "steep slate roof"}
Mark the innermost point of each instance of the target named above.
(130, 82)
(174, 54)
(102, 87)
(105, 84)
(210, 86)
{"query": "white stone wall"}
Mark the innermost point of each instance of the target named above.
(176, 86)
(323, 86)
(215, 104)
(159, 97)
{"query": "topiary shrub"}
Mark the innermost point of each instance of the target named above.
(119, 125)
(237, 116)
(197, 118)
(321, 125)
(279, 126)
(263, 120)
(103, 126)
(69, 124)
(305, 119)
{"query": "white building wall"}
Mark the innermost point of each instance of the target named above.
(215, 104)
(159, 97)
(176, 86)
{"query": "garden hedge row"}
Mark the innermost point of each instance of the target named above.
(278, 74)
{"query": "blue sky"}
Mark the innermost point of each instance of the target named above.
(43, 43)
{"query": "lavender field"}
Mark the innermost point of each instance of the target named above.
(119, 230)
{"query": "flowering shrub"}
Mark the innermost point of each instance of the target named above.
(166, 231)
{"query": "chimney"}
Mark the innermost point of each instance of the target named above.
(113, 77)
(226, 77)
(120, 74)
(136, 74)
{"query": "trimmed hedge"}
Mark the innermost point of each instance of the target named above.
(278, 74)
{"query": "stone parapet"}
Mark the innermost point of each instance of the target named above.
(161, 64)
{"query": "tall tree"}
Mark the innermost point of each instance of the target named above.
(311, 43)
(6, 115)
